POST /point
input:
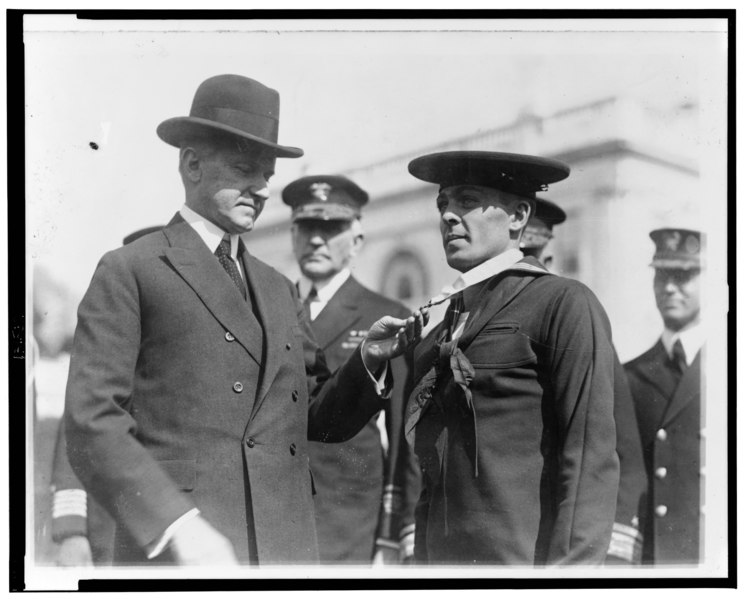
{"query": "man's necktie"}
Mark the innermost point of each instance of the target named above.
(223, 254)
(310, 298)
(679, 356)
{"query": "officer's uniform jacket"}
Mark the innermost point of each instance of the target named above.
(626, 536)
(668, 413)
(74, 512)
(179, 396)
(513, 426)
(350, 477)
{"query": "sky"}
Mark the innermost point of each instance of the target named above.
(351, 94)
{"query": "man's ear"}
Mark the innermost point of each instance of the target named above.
(520, 215)
(190, 164)
(358, 237)
(357, 244)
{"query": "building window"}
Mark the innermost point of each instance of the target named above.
(404, 278)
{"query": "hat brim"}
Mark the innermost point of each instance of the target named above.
(449, 167)
(174, 131)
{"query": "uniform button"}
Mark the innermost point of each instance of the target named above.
(661, 510)
(250, 442)
(661, 435)
(229, 336)
(288, 346)
(238, 386)
(295, 396)
(292, 449)
(660, 473)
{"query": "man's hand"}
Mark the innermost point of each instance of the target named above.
(389, 337)
(196, 543)
(74, 552)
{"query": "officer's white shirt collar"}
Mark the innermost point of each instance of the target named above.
(325, 290)
(210, 233)
(692, 339)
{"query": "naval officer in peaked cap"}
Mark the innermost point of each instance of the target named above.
(539, 230)
(356, 500)
(512, 414)
(665, 383)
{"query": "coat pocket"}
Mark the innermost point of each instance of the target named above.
(500, 328)
(500, 345)
(182, 472)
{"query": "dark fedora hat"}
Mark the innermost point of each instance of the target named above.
(519, 174)
(234, 105)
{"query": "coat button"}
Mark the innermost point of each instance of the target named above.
(229, 336)
(292, 449)
(295, 396)
(660, 473)
(288, 346)
(661, 510)
(238, 386)
(661, 435)
(250, 442)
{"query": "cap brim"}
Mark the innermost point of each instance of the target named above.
(673, 263)
(174, 131)
(446, 166)
(324, 212)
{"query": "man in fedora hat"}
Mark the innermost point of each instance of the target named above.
(512, 414)
(626, 538)
(665, 384)
(195, 382)
(355, 491)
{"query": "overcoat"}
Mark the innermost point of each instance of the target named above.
(350, 477)
(669, 416)
(181, 395)
(516, 435)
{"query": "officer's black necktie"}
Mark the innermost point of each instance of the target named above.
(311, 297)
(679, 356)
(223, 254)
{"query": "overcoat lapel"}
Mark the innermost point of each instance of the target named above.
(686, 392)
(266, 288)
(339, 315)
(197, 265)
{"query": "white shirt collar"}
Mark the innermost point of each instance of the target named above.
(324, 289)
(692, 339)
(485, 270)
(210, 233)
